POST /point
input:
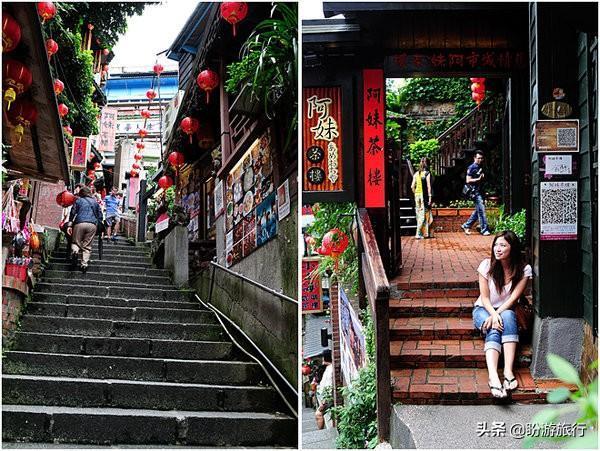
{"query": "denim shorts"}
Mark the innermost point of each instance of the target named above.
(493, 337)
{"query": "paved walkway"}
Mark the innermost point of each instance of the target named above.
(449, 259)
(313, 438)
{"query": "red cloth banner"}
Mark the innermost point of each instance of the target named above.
(79, 155)
(374, 137)
(312, 301)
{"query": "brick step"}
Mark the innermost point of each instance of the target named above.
(458, 386)
(419, 283)
(121, 313)
(112, 426)
(121, 346)
(106, 393)
(107, 277)
(446, 354)
(154, 294)
(409, 307)
(221, 372)
(432, 328)
(442, 290)
(74, 299)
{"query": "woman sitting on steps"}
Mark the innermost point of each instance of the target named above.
(502, 280)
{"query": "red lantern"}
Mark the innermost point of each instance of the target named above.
(68, 130)
(140, 145)
(335, 241)
(138, 156)
(145, 114)
(17, 78)
(234, 12)
(51, 47)
(158, 69)
(133, 173)
(176, 158)
(97, 165)
(323, 250)
(207, 81)
(63, 110)
(151, 94)
(142, 132)
(59, 87)
(477, 80)
(11, 32)
(65, 199)
(136, 166)
(46, 10)
(105, 52)
(165, 182)
(189, 126)
(23, 113)
(478, 87)
(305, 370)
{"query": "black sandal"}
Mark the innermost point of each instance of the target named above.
(508, 384)
(498, 389)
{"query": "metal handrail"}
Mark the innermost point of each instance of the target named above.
(256, 284)
(466, 117)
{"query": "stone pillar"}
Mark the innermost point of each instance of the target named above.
(176, 255)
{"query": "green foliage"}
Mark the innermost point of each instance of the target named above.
(357, 418)
(517, 222)
(584, 401)
(329, 216)
(419, 149)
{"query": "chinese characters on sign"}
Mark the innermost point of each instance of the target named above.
(80, 152)
(108, 128)
(459, 59)
(312, 301)
(374, 136)
(557, 136)
(322, 139)
(558, 211)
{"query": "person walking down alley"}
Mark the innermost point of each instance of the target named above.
(473, 190)
(421, 187)
(84, 218)
(112, 204)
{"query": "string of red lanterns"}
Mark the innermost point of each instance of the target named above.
(477, 90)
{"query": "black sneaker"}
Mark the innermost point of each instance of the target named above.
(84, 269)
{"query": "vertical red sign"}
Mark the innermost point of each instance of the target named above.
(312, 301)
(374, 137)
(80, 152)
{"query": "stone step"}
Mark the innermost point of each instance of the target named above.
(107, 250)
(122, 346)
(110, 259)
(110, 426)
(102, 266)
(115, 276)
(81, 280)
(422, 290)
(408, 307)
(432, 328)
(81, 392)
(132, 368)
(108, 328)
(458, 386)
(154, 294)
(445, 354)
(72, 299)
(122, 313)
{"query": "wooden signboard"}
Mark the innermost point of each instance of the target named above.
(322, 139)
(558, 136)
(80, 152)
(374, 137)
(312, 300)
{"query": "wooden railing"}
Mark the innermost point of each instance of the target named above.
(463, 134)
(377, 289)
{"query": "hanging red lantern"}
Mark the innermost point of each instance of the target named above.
(105, 52)
(306, 370)
(17, 78)
(22, 114)
(189, 126)
(234, 12)
(207, 81)
(63, 110)
(142, 132)
(158, 69)
(59, 87)
(145, 114)
(65, 199)
(477, 80)
(323, 250)
(51, 47)
(165, 182)
(97, 165)
(46, 10)
(478, 87)
(136, 166)
(336, 241)
(176, 158)
(133, 173)
(90, 173)
(68, 130)
(11, 32)
(138, 156)
(140, 145)
(151, 94)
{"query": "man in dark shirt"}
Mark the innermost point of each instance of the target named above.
(475, 178)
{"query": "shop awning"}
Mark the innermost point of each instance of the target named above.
(42, 153)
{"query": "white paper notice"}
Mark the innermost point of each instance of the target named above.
(558, 164)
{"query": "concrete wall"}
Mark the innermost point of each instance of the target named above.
(176, 255)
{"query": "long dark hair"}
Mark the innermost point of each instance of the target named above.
(516, 261)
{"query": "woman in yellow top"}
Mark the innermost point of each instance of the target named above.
(421, 187)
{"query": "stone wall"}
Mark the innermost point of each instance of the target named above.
(128, 226)
(12, 303)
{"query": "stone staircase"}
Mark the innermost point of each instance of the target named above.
(437, 357)
(121, 356)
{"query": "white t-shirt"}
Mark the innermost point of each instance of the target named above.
(497, 299)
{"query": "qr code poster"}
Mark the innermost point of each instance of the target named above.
(557, 136)
(558, 211)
